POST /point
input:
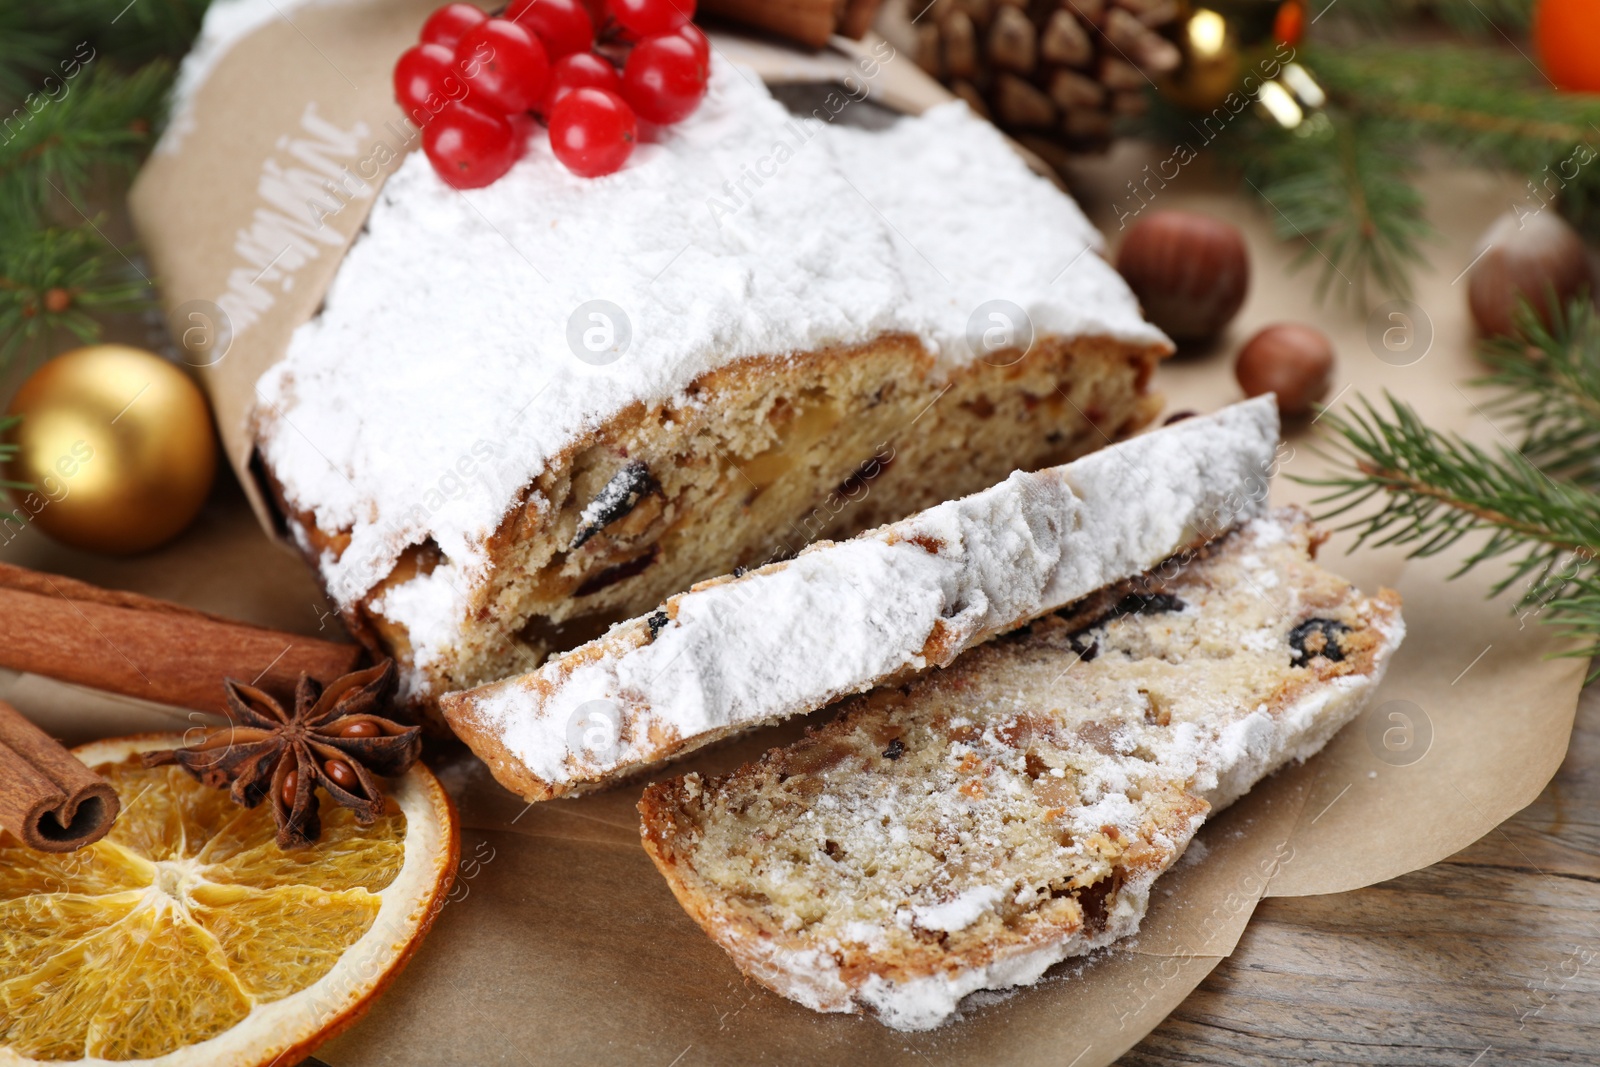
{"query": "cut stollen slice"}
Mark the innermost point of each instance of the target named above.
(842, 617)
(971, 828)
(186, 936)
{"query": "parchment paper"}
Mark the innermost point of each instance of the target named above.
(561, 944)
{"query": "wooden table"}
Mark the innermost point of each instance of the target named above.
(1490, 957)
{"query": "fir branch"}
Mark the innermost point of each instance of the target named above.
(82, 85)
(135, 33)
(100, 123)
(1434, 489)
(25, 50)
(1490, 103)
(8, 449)
(1548, 384)
(54, 280)
(1477, 17)
(1346, 186)
(37, 39)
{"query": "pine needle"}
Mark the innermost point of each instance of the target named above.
(1548, 384)
(72, 113)
(1345, 185)
(1401, 482)
(1476, 17)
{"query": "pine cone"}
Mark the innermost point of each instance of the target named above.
(1054, 73)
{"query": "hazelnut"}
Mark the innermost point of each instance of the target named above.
(1293, 361)
(1189, 271)
(1539, 259)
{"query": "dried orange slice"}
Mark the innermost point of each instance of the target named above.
(186, 934)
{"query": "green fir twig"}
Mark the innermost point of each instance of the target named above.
(1488, 102)
(1477, 17)
(1547, 382)
(8, 449)
(1398, 481)
(1346, 185)
(82, 88)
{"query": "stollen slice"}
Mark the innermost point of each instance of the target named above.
(842, 617)
(969, 829)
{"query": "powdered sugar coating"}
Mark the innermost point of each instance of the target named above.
(447, 328)
(842, 617)
(1298, 732)
(1019, 776)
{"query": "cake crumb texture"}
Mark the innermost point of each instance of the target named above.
(846, 616)
(968, 829)
(486, 362)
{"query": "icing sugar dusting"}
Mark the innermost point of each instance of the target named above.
(956, 914)
(449, 327)
(841, 617)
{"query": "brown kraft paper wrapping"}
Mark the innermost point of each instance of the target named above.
(561, 943)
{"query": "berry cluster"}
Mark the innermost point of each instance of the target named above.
(476, 84)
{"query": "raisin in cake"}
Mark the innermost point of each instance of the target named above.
(843, 617)
(969, 829)
(529, 411)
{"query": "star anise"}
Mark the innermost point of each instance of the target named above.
(334, 738)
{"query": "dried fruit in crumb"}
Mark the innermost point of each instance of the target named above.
(1317, 637)
(615, 500)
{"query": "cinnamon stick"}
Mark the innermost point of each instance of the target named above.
(47, 798)
(151, 649)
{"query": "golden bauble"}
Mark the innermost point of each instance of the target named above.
(1229, 48)
(118, 447)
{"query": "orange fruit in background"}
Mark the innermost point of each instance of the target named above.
(1567, 35)
(1289, 25)
(186, 934)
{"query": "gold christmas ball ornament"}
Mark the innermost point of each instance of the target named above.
(1241, 52)
(116, 446)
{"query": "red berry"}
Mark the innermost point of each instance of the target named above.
(523, 126)
(578, 70)
(505, 66)
(696, 36)
(446, 25)
(592, 131)
(562, 26)
(664, 79)
(424, 72)
(650, 18)
(469, 148)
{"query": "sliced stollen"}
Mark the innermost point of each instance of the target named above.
(524, 416)
(971, 828)
(842, 617)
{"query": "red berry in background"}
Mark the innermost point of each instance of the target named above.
(579, 70)
(428, 70)
(522, 127)
(505, 66)
(470, 148)
(592, 132)
(446, 25)
(664, 79)
(650, 18)
(562, 26)
(697, 37)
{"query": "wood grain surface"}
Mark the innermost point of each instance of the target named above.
(1490, 957)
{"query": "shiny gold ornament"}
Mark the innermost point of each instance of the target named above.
(117, 446)
(1238, 53)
